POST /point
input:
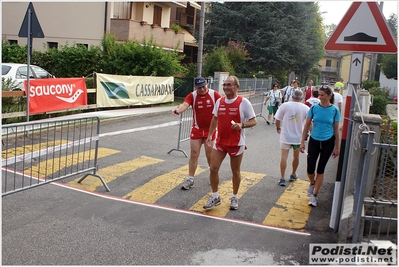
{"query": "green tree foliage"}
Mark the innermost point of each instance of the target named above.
(389, 62)
(217, 60)
(329, 30)
(389, 66)
(237, 54)
(280, 36)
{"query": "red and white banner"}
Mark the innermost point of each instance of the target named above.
(47, 95)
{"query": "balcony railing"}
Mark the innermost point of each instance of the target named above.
(125, 29)
(329, 69)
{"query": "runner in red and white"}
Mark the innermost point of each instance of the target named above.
(308, 90)
(202, 100)
(232, 113)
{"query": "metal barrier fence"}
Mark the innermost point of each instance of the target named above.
(376, 215)
(36, 153)
(255, 84)
(257, 101)
(187, 116)
(186, 119)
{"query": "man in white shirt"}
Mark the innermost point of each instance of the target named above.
(289, 123)
(288, 91)
(337, 98)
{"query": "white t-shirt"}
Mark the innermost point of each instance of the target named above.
(337, 98)
(288, 92)
(313, 101)
(292, 116)
(273, 97)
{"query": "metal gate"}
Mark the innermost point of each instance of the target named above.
(376, 215)
(36, 153)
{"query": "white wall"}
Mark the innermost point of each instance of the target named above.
(390, 84)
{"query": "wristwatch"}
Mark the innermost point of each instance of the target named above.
(243, 125)
(278, 128)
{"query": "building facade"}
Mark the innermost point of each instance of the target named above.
(336, 65)
(86, 23)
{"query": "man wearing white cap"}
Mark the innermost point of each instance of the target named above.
(202, 101)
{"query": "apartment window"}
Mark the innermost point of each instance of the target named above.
(52, 45)
(83, 45)
(11, 42)
(328, 63)
(122, 10)
(157, 15)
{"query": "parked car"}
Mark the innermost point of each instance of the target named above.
(19, 73)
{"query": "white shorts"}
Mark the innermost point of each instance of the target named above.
(288, 146)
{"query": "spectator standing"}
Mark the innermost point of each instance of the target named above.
(323, 140)
(231, 115)
(289, 123)
(289, 90)
(308, 90)
(341, 85)
(202, 100)
(273, 98)
(337, 98)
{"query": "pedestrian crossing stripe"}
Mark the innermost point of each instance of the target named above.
(225, 190)
(161, 185)
(292, 210)
(110, 173)
(48, 167)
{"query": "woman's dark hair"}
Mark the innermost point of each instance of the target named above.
(275, 84)
(327, 89)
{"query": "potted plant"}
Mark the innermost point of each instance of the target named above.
(176, 28)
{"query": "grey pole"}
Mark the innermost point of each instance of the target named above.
(28, 67)
(201, 40)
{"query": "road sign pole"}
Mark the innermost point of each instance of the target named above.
(355, 76)
(29, 40)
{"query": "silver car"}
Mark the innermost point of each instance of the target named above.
(19, 73)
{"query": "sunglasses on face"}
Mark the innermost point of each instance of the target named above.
(228, 84)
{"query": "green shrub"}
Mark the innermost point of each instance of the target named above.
(379, 105)
(370, 84)
(375, 91)
(112, 57)
(14, 53)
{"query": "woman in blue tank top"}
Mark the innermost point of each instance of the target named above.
(323, 141)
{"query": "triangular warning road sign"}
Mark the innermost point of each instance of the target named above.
(362, 29)
(35, 29)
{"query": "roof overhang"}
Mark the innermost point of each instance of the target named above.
(189, 39)
(176, 4)
(195, 5)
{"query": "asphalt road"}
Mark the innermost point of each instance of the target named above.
(57, 224)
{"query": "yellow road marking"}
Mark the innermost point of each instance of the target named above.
(161, 185)
(110, 173)
(248, 180)
(17, 151)
(51, 166)
(293, 211)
